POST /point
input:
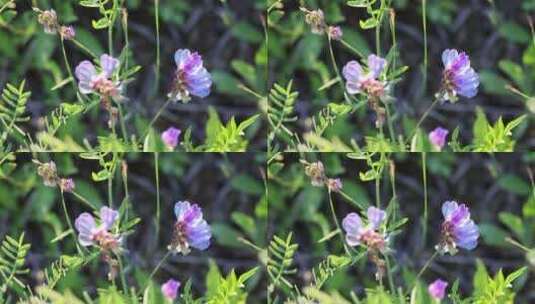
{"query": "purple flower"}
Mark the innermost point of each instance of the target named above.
(66, 184)
(334, 184)
(170, 137)
(357, 233)
(359, 82)
(335, 32)
(457, 230)
(437, 137)
(91, 234)
(191, 78)
(437, 289)
(458, 77)
(91, 81)
(67, 32)
(170, 289)
(368, 236)
(190, 229)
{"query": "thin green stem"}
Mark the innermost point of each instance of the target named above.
(160, 111)
(69, 223)
(426, 265)
(84, 48)
(160, 263)
(84, 200)
(338, 227)
(335, 66)
(110, 191)
(351, 48)
(68, 67)
(389, 275)
(157, 21)
(157, 174)
(424, 25)
(122, 275)
(389, 122)
(424, 177)
(378, 192)
(121, 121)
(424, 116)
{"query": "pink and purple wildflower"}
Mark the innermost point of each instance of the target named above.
(437, 137)
(335, 32)
(437, 289)
(334, 184)
(190, 229)
(92, 81)
(459, 78)
(89, 234)
(368, 83)
(170, 137)
(368, 235)
(457, 230)
(67, 32)
(170, 289)
(191, 77)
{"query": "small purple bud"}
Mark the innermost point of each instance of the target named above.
(335, 32)
(437, 137)
(170, 289)
(170, 137)
(334, 184)
(67, 32)
(66, 184)
(437, 289)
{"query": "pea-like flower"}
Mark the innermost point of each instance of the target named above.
(368, 83)
(457, 230)
(437, 289)
(191, 77)
(66, 184)
(89, 234)
(459, 78)
(170, 137)
(368, 235)
(67, 32)
(190, 229)
(357, 81)
(90, 80)
(437, 137)
(170, 289)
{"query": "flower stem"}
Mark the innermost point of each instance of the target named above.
(426, 265)
(84, 200)
(157, 174)
(84, 48)
(335, 219)
(157, 21)
(424, 116)
(160, 111)
(424, 177)
(69, 223)
(68, 67)
(160, 263)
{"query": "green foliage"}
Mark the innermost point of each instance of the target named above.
(12, 259)
(229, 290)
(280, 259)
(494, 290)
(12, 109)
(494, 138)
(229, 137)
(281, 101)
